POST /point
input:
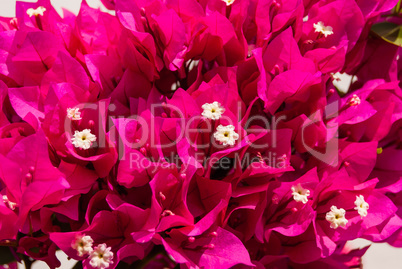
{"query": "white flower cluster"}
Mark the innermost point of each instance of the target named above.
(337, 216)
(224, 134)
(82, 139)
(100, 257)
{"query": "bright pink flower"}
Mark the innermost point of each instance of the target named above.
(207, 250)
(31, 180)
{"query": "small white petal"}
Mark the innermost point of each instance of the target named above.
(101, 257)
(10, 204)
(336, 217)
(354, 100)
(74, 113)
(300, 194)
(83, 244)
(228, 2)
(35, 12)
(361, 206)
(226, 135)
(83, 139)
(321, 28)
(212, 111)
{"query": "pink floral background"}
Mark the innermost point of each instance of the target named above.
(361, 170)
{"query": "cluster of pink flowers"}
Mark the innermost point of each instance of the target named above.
(203, 133)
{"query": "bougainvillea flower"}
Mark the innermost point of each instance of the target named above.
(213, 249)
(34, 182)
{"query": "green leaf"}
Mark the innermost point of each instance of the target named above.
(388, 31)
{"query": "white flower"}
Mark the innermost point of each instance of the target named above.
(83, 139)
(35, 12)
(226, 135)
(321, 28)
(361, 206)
(212, 111)
(300, 194)
(74, 113)
(228, 2)
(101, 257)
(354, 100)
(10, 204)
(336, 217)
(83, 244)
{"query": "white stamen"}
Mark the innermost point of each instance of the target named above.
(83, 244)
(226, 135)
(361, 206)
(101, 257)
(35, 12)
(83, 139)
(321, 28)
(300, 194)
(212, 111)
(74, 113)
(336, 217)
